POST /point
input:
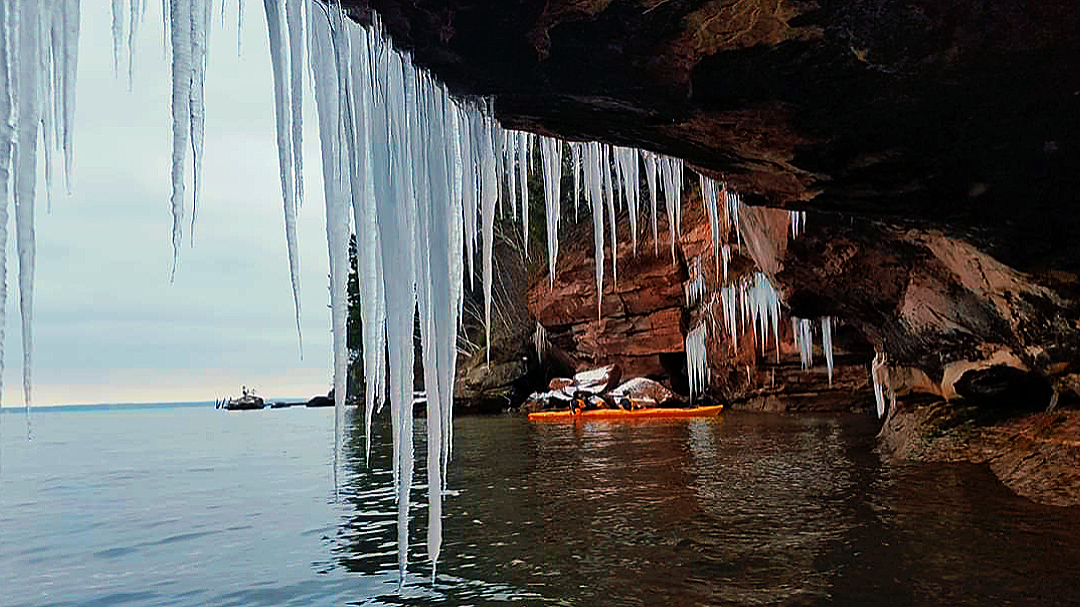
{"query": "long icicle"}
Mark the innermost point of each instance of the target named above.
(180, 37)
(8, 82)
(284, 121)
(28, 96)
(199, 19)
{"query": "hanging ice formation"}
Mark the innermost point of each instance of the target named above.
(725, 259)
(288, 114)
(804, 340)
(878, 374)
(551, 152)
(136, 12)
(188, 23)
(540, 341)
(418, 166)
(798, 222)
(708, 198)
(626, 164)
(697, 366)
(652, 169)
(826, 344)
(762, 305)
(695, 287)
(38, 58)
(671, 172)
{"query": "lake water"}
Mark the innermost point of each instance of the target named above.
(195, 506)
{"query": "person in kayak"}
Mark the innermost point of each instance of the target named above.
(584, 401)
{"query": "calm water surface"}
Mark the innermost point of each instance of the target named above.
(194, 506)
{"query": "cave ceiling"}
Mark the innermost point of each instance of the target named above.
(956, 114)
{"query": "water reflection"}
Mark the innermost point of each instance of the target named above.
(739, 510)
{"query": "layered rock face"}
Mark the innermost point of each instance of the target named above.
(643, 318)
(936, 144)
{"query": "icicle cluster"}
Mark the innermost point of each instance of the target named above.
(551, 152)
(38, 60)
(798, 222)
(419, 168)
(136, 14)
(188, 22)
(610, 174)
(761, 305)
(697, 365)
(287, 63)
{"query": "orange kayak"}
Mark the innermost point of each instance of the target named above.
(624, 414)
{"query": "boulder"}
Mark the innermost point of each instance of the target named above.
(643, 391)
(599, 380)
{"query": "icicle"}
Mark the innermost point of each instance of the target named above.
(708, 198)
(725, 257)
(284, 120)
(70, 58)
(695, 287)
(325, 72)
(826, 344)
(540, 342)
(575, 170)
(239, 24)
(551, 153)
(117, 33)
(877, 372)
(180, 36)
(798, 222)
(27, 60)
(727, 306)
(627, 163)
(489, 192)
(697, 368)
(671, 175)
(732, 202)
(470, 188)
(47, 108)
(133, 28)
(609, 198)
(524, 142)
(369, 262)
(651, 170)
(804, 340)
(595, 199)
(294, 15)
(199, 15)
(8, 80)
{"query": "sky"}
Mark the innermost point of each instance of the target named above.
(108, 324)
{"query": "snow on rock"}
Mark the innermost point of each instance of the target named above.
(643, 389)
(598, 380)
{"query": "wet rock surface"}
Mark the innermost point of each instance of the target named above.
(1036, 455)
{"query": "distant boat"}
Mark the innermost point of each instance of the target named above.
(248, 401)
